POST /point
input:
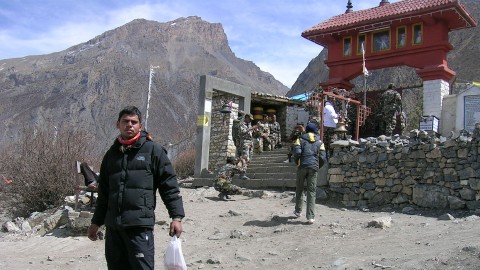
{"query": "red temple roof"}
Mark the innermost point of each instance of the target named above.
(395, 11)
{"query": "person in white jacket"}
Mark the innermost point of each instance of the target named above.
(330, 120)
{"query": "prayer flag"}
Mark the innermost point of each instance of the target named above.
(365, 71)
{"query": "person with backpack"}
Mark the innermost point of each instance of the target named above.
(309, 154)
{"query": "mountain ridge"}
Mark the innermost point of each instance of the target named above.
(84, 86)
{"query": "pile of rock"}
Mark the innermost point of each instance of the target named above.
(63, 218)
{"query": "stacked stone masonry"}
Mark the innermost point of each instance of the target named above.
(221, 140)
(419, 169)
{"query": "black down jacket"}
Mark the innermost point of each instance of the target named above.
(128, 183)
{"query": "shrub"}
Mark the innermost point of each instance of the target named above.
(184, 163)
(42, 167)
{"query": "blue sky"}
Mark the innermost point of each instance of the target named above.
(266, 32)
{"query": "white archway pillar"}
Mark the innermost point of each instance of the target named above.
(433, 93)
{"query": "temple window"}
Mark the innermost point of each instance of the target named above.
(417, 32)
(361, 40)
(401, 37)
(381, 40)
(347, 46)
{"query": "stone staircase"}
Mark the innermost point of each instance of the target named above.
(266, 170)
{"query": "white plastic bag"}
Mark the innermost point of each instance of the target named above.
(173, 259)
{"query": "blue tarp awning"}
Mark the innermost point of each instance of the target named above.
(302, 97)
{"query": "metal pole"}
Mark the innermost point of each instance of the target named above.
(365, 91)
(149, 94)
(357, 130)
(322, 113)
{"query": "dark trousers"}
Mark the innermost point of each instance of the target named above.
(89, 175)
(328, 138)
(130, 249)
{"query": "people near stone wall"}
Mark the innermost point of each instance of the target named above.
(235, 133)
(265, 133)
(309, 153)
(223, 181)
(330, 120)
(260, 134)
(245, 137)
(257, 143)
(476, 133)
(297, 131)
(275, 136)
(390, 107)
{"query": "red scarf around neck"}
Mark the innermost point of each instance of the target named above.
(129, 141)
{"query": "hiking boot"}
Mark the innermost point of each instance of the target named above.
(296, 214)
(286, 161)
(310, 221)
(222, 196)
(245, 177)
(228, 197)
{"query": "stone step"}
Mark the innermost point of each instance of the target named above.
(275, 163)
(271, 175)
(258, 181)
(266, 170)
(271, 169)
(269, 156)
(250, 184)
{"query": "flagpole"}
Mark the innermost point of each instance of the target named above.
(365, 91)
(365, 75)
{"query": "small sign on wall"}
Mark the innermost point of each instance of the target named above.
(202, 121)
(429, 123)
(471, 112)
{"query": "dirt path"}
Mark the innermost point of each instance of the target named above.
(261, 233)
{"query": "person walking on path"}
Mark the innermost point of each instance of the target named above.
(132, 170)
(309, 154)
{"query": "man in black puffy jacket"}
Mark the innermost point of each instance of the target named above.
(132, 170)
(309, 154)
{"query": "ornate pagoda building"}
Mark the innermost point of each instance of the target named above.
(410, 33)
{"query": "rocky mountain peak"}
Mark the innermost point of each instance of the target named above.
(87, 84)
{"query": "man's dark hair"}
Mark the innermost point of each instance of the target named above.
(230, 160)
(130, 110)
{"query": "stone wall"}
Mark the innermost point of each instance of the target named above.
(419, 169)
(294, 115)
(221, 140)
